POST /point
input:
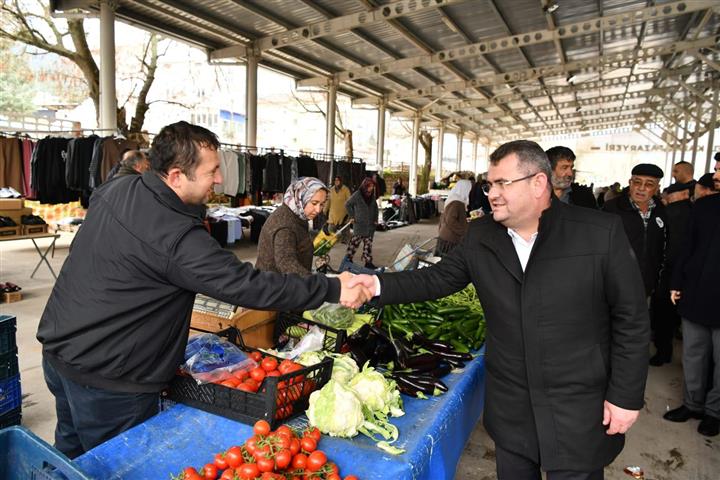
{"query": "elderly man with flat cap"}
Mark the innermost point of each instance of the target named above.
(645, 222)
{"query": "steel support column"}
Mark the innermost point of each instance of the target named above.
(330, 118)
(711, 129)
(251, 69)
(440, 145)
(696, 131)
(458, 161)
(108, 98)
(412, 184)
(380, 155)
(475, 155)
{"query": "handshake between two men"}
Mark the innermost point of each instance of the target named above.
(357, 289)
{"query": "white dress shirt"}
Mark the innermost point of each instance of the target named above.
(522, 247)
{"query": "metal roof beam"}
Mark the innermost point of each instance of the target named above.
(616, 60)
(571, 30)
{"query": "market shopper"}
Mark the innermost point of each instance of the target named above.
(285, 244)
(562, 162)
(705, 186)
(454, 219)
(398, 187)
(643, 217)
(695, 289)
(115, 327)
(567, 324)
(362, 209)
(134, 162)
(335, 205)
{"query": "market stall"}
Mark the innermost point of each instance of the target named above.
(433, 433)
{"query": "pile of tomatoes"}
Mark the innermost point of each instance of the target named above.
(251, 380)
(268, 455)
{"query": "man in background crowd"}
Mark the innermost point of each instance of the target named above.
(562, 162)
(682, 172)
(705, 186)
(134, 162)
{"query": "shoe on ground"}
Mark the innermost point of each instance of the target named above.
(709, 426)
(370, 266)
(5, 193)
(682, 414)
(14, 193)
(658, 360)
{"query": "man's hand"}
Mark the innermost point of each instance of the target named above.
(352, 296)
(367, 281)
(618, 419)
(675, 295)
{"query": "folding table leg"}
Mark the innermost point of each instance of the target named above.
(43, 257)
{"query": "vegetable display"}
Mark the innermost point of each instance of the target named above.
(267, 455)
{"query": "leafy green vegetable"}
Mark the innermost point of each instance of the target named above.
(344, 367)
(336, 410)
(377, 392)
(334, 315)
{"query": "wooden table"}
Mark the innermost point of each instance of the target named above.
(43, 255)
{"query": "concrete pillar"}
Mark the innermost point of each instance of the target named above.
(711, 130)
(696, 132)
(330, 118)
(684, 139)
(440, 145)
(251, 69)
(108, 98)
(458, 161)
(412, 183)
(380, 156)
(475, 155)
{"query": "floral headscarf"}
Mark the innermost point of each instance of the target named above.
(299, 194)
(365, 189)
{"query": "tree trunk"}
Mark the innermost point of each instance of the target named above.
(85, 61)
(142, 106)
(348, 143)
(426, 140)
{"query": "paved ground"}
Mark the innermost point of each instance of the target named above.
(664, 450)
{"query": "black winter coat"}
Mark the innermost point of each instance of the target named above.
(119, 314)
(564, 336)
(648, 244)
(697, 271)
(582, 196)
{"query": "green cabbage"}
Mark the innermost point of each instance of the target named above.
(344, 367)
(376, 392)
(336, 410)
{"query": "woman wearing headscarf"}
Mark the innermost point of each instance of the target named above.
(362, 208)
(335, 206)
(285, 244)
(453, 222)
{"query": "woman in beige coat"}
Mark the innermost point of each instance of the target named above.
(335, 206)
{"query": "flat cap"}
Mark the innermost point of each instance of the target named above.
(679, 187)
(647, 170)
(707, 181)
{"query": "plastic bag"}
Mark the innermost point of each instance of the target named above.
(311, 342)
(334, 315)
(209, 358)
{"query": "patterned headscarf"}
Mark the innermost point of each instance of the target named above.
(299, 194)
(365, 189)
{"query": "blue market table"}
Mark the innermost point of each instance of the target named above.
(433, 432)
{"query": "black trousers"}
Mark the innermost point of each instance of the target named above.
(664, 322)
(512, 466)
(87, 416)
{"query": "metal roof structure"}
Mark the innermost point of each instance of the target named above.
(496, 69)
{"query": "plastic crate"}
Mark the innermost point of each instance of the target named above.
(7, 334)
(347, 266)
(24, 455)
(278, 400)
(294, 326)
(9, 365)
(11, 418)
(10, 394)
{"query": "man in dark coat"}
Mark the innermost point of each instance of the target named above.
(567, 324)
(644, 219)
(562, 162)
(695, 289)
(116, 324)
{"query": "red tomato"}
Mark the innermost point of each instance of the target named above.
(251, 445)
(248, 471)
(308, 387)
(351, 477)
(308, 444)
(282, 442)
(333, 476)
(333, 468)
(284, 365)
(234, 457)
(220, 461)
(210, 471)
(257, 356)
(316, 460)
(230, 382)
(191, 474)
(261, 427)
(258, 374)
(269, 364)
(299, 461)
(294, 368)
(265, 464)
(261, 452)
(274, 373)
(246, 388)
(241, 374)
(254, 384)
(283, 459)
(314, 433)
(294, 446)
(228, 474)
(285, 431)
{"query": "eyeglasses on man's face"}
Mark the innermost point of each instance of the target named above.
(502, 184)
(639, 183)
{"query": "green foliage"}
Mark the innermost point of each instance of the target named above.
(17, 88)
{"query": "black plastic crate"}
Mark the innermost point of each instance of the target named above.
(294, 326)
(10, 394)
(11, 418)
(9, 365)
(278, 400)
(7, 334)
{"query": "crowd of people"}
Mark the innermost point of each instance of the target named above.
(568, 292)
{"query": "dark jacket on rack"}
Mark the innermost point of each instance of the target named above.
(647, 243)
(365, 214)
(697, 271)
(119, 314)
(285, 244)
(568, 333)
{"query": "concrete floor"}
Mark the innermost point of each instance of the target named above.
(664, 450)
